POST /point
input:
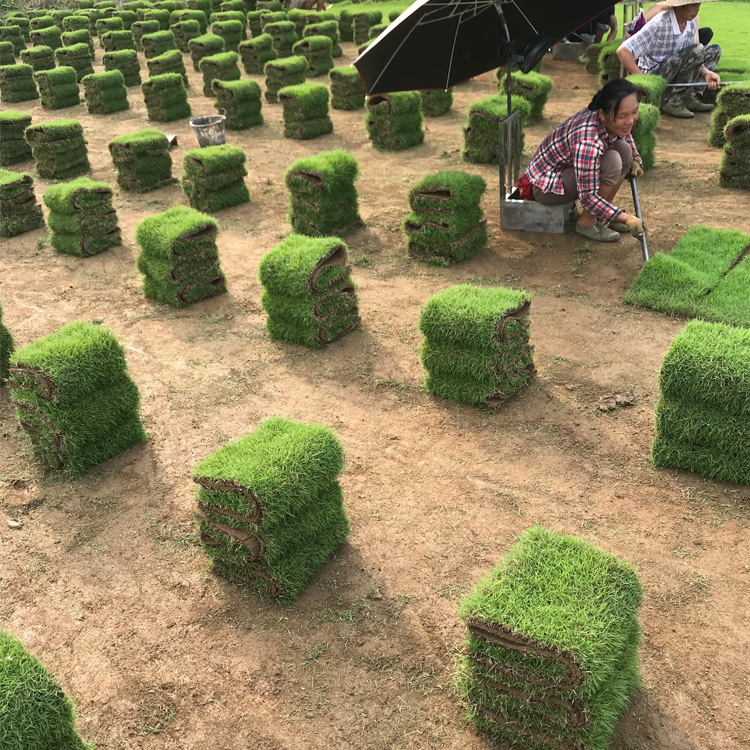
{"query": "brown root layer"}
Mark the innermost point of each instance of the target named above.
(48, 387)
(273, 589)
(253, 543)
(336, 257)
(230, 487)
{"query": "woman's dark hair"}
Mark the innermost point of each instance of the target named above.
(609, 97)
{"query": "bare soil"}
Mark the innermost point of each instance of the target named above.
(106, 582)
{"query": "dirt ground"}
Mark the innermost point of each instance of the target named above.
(106, 583)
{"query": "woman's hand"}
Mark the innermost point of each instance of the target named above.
(636, 170)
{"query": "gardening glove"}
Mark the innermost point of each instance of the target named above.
(636, 170)
(635, 225)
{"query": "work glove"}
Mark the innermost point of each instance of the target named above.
(636, 170)
(635, 225)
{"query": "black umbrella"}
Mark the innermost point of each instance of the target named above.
(436, 44)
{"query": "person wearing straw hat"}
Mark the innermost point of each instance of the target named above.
(666, 46)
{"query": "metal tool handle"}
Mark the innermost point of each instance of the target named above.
(637, 204)
(700, 83)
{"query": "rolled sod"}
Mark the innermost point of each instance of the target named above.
(270, 508)
(78, 36)
(13, 146)
(232, 32)
(274, 6)
(214, 178)
(346, 26)
(169, 62)
(256, 52)
(731, 102)
(78, 57)
(142, 160)
(40, 58)
(202, 5)
(23, 25)
(112, 41)
(534, 87)
(644, 133)
(36, 711)
(329, 29)
(47, 37)
(229, 15)
(221, 67)
(105, 92)
(7, 347)
(650, 88)
(58, 87)
(482, 131)
(157, 43)
(308, 292)
(105, 4)
(436, 103)
(475, 348)
(240, 101)
(289, 71)
(7, 53)
(271, 17)
(322, 198)
(103, 25)
(19, 211)
(254, 22)
(126, 61)
(735, 165)
(12, 33)
(75, 23)
(74, 397)
(197, 16)
(58, 16)
(362, 22)
(129, 17)
(317, 51)
(59, 149)
(299, 18)
(609, 62)
(284, 37)
(183, 32)
(377, 30)
(551, 654)
(91, 16)
(347, 88)
(17, 83)
(158, 14)
(394, 121)
(166, 98)
(141, 29)
(233, 5)
(178, 257)
(204, 46)
(305, 109)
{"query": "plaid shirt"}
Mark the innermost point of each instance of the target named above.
(659, 40)
(580, 142)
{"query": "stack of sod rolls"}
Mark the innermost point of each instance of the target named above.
(376, 31)
(91, 16)
(74, 397)
(272, 17)
(58, 88)
(13, 146)
(17, 83)
(23, 24)
(231, 15)
(232, 32)
(169, 62)
(183, 32)
(48, 37)
(551, 655)
(274, 6)
(735, 164)
(317, 51)
(732, 102)
(166, 98)
(214, 178)
(284, 36)
(644, 133)
(329, 29)
(81, 217)
(534, 87)
(141, 29)
(299, 18)
(305, 111)
(476, 344)
(129, 17)
(322, 197)
(157, 43)
(221, 67)
(701, 417)
(204, 46)
(142, 160)
(447, 223)
(7, 345)
(40, 58)
(105, 92)
(394, 121)
(346, 26)
(75, 23)
(161, 15)
(126, 61)
(36, 711)
(19, 211)
(193, 15)
(362, 22)
(7, 54)
(649, 89)
(482, 131)
(240, 101)
(254, 23)
(59, 15)
(41, 21)
(12, 34)
(270, 508)
(256, 52)
(59, 149)
(117, 40)
(289, 71)
(436, 103)
(78, 57)
(103, 25)
(308, 292)
(179, 259)
(347, 88)
(74, 38)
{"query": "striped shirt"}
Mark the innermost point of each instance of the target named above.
(659, 40)
(580, 142)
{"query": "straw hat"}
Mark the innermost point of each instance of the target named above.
(677, 3)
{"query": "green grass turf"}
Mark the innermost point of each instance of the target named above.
(240, 101)
(731, 102)
(157, 14)
(141, 28)
(166, 97)
(117, 40)
(108, 24)
(194, 15)
(220, 67)
(394, 121)
(325, 28)
(347, 89)
(158, 43)
(7, 347)
(19, 211)
(13, 146)
(40, 58)
(50, 37)
(231, 31)
(17, 83)
(317, 51)
(214, 177)
(286, 71)
(534, 87)
(7, 54)
(436, 103)
(77, 56)
(446, 192)
(731, 24)
(481, 134)
(256, 52)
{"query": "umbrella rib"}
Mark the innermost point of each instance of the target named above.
(526, 18)
(453, 49)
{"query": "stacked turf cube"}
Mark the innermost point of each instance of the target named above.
(732, 102)
(551, 655)
(118, 40)
(284, 37)
(7, 53)
(308, 292)
(73, 39)
(42, 21)
(157, 43)
(19, 211)
(141, 29)
(240, 101)
(435, 103)
(161, 15)
(166, 98)
(289, 71)
(735, 164)
(362, 23)
(75, 23)
(609, 62)
(649, 89)
(105, 92)
(299, 18)
(126, 61)
(256, 52)
(254, 23)
(329, 29)
(169, 62)
(183, 32)
(270, 508)
(232, 15)
(317, 51)
(92, 16)
(305, 111)
(129, 17)
(534, 87)
(74, 397)
(204, 46)
(17, 83)
(221, 67)
(190, 16)
(59, 149)
(644, 133)
(447, 222)
(40, 58)
(322, 197)
(7, 347)
(394, 121)
(482, 131)
(13, 146)
(103, 25)
(78, 57)
(58, 88)
(12, 34)
(232, 32)
(59, 15)
(214, 177)
(346, 26)
(476, 344)
(179, 259)
(23, 25)
(347, 88)
(81, 217)
(142, 160)
(275, 16)
(47, 37)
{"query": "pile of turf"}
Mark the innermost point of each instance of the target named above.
(142, 160)
(126, 61)
(202, 5)
(129, 17)
(204, 46)
(19, 211)
(735, 164)
(534, 87)
(36, 711)
(322, 197)
(105, 92)
(59, 15)
(103, 25)
(157, 43)
(284, 37)
(7, 54)
(91, 16)
(76, 56)
(377, 30)
(232, 32)
(346, 26)
(198, 16)
(394, 121)
(166, 98)
(308, 292)
(701, 417)
(299, 18)
(230, 15)
(161, 15)
(17, 83)
(256, 52)
(42, 21)
(274, 6)
(240, 101)
(649, 89)
(609, 62)
(169, 62)
(237, 6)
(183, 32)
(178, 257)
(254, 23)
(329, 29)
(39, 58)
(113, 41)
(289, 71)
(447, 223)
(317, 51)
(7, 347)
(74, 38)
(74, 397)
(644, 133)
(270, 508)
(141, 29)
(305, 109)
(267, 17)
(13, 146)
(75, 23)
(58, 87)
(732, 102)
(436, 103)
(482, 131)
(214, 178)
(347, 88)
(12, 33)
(47, 37)
(81, 217)
(221, 67)
(476, 344)
(362, 22)
(59, 149)
(551, 655)
(23, 23)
